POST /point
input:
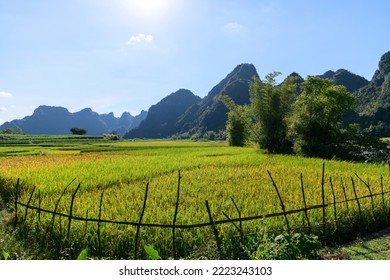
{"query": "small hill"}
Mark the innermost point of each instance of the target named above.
(58, 120)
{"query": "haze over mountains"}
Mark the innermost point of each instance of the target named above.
(183, 113)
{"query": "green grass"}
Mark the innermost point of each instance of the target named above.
(370, 250)
(372, 247)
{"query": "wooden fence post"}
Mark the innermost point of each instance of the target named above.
(323, 199)
(334, 201)
(28, 203)
(215, 230)
(98, 229)
(383, 193)
(281, 202)
(345, 194)
(369, 190)
(86, 226)
(51, 224)
(356, 197)
(304, 203)
(16, 202)
(174, 218)
(239, 216)
(239, 228)
(71, 212)
(140, 221)
(39, 207)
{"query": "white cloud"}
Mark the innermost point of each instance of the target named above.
(234, 28)
(5, 94)
(3, 109)
(140, 38)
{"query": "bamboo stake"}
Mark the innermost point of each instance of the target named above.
(356, 197)
(39, 206)
(71, 212)
(345, 194)
(334, 201)
(383, 197)
(28, 203)
(86, 225)
(369, 190)
(281, 202)
(99, 221)
(175, 216)
(215, 230)
(140, 221)
(304, 203)
(16, 202)
(51, 224)
(239, 216)
(323, 199)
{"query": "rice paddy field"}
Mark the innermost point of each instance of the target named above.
(210, 171)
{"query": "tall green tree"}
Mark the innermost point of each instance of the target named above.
(270, 105)
(235, 128)
(238, 122)
(314, 124)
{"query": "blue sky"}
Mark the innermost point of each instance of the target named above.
(126, 55)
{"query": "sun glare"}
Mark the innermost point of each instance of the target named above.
(150, 10)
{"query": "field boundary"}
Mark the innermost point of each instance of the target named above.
(307, 225)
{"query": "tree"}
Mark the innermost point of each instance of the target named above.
(314, 124)
(235, 128)
(270, 105)
(78, 131)
(238, 123)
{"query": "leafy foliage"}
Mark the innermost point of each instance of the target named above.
(314, 125)
(236, 130)
(151, 252)
(270, 105)
(286, 246)
(238, 124)
(83, 255)
(78, 131)
(5, 254)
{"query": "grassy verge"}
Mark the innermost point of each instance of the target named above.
(372, 247)
(12, 247)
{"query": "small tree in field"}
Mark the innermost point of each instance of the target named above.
(238, 122)
(78, 131)
(235, 128)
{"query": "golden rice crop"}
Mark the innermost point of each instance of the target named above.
(210, 171)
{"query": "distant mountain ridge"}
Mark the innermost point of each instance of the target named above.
(183, 113)
(58, 120)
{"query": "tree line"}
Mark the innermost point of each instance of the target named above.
(301, 117)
